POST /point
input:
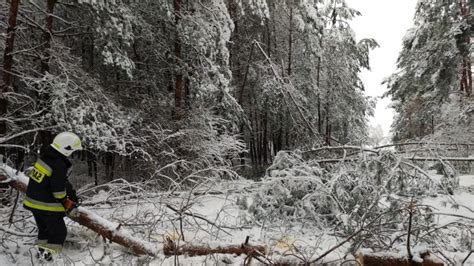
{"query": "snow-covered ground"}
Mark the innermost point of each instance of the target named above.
(209, 219)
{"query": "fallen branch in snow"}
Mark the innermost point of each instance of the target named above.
(449, 159)
(382, 258)
(467, 257)
(453, 215)
(362, 228)
(103, 227)
(16, 233)
(180, 212)
(172, 249)
(332, 148)
(423, 144)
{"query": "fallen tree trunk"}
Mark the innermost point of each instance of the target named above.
(449, 159)
(388, 259)
(172, 249)
(333, 148)
(89, 219)
(423, 144)
(431, 159)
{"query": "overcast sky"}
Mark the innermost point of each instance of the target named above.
(386, 21)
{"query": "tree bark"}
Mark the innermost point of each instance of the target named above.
(47, 36)
(109, 166)
(92, 166)
(46, 135)
(241, 91)
(290, 39)
(110, 230)
(328, 126)
(318, 82)
(382, 259)
(466, 79)
(171, 249)
(265, 138)
(8, 63)
(179, 81)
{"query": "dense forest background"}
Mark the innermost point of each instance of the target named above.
(183, 89)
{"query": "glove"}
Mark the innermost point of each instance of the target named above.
(72, 195)
(69, 205)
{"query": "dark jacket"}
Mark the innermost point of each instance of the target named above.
(48, 185)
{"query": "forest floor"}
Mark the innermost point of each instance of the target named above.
(213, 217)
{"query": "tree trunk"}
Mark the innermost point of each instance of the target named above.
(47, 36)
(382, 259)
(46, 136)
(328, 126)
(7, 69)
(241, 91)
(7, 64)
(110, 230)
(109, 166)
(92, 166)
(290, 40)
(179, 82)
(466, 79)
(253, 151)
(318, 77)
(269, 37)
(258, 131)
(279, 141)
(265, 138)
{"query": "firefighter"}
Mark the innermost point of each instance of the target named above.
(50, 195)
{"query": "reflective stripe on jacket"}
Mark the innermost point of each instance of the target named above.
(47, 185)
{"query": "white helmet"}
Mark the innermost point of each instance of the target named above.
(66, 143)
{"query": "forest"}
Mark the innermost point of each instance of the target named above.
(237, 132)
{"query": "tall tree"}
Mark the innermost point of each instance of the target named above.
(7, 64)
(433, 66)
(179, 82)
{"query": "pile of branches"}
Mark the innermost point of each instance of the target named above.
(366, 196)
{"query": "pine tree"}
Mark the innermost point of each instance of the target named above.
(433, 65)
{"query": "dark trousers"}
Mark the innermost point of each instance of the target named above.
(52, 230)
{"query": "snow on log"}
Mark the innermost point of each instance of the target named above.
(450, 159)
(110, 230)
(423, 144)
(394, 259)
(172, 249)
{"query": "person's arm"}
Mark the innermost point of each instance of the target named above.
(58, 181)
(70, 191)
(58, 186)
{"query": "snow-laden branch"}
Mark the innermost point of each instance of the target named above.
(333, 148)
(16, 233)
(19, 134)
(423, 144)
